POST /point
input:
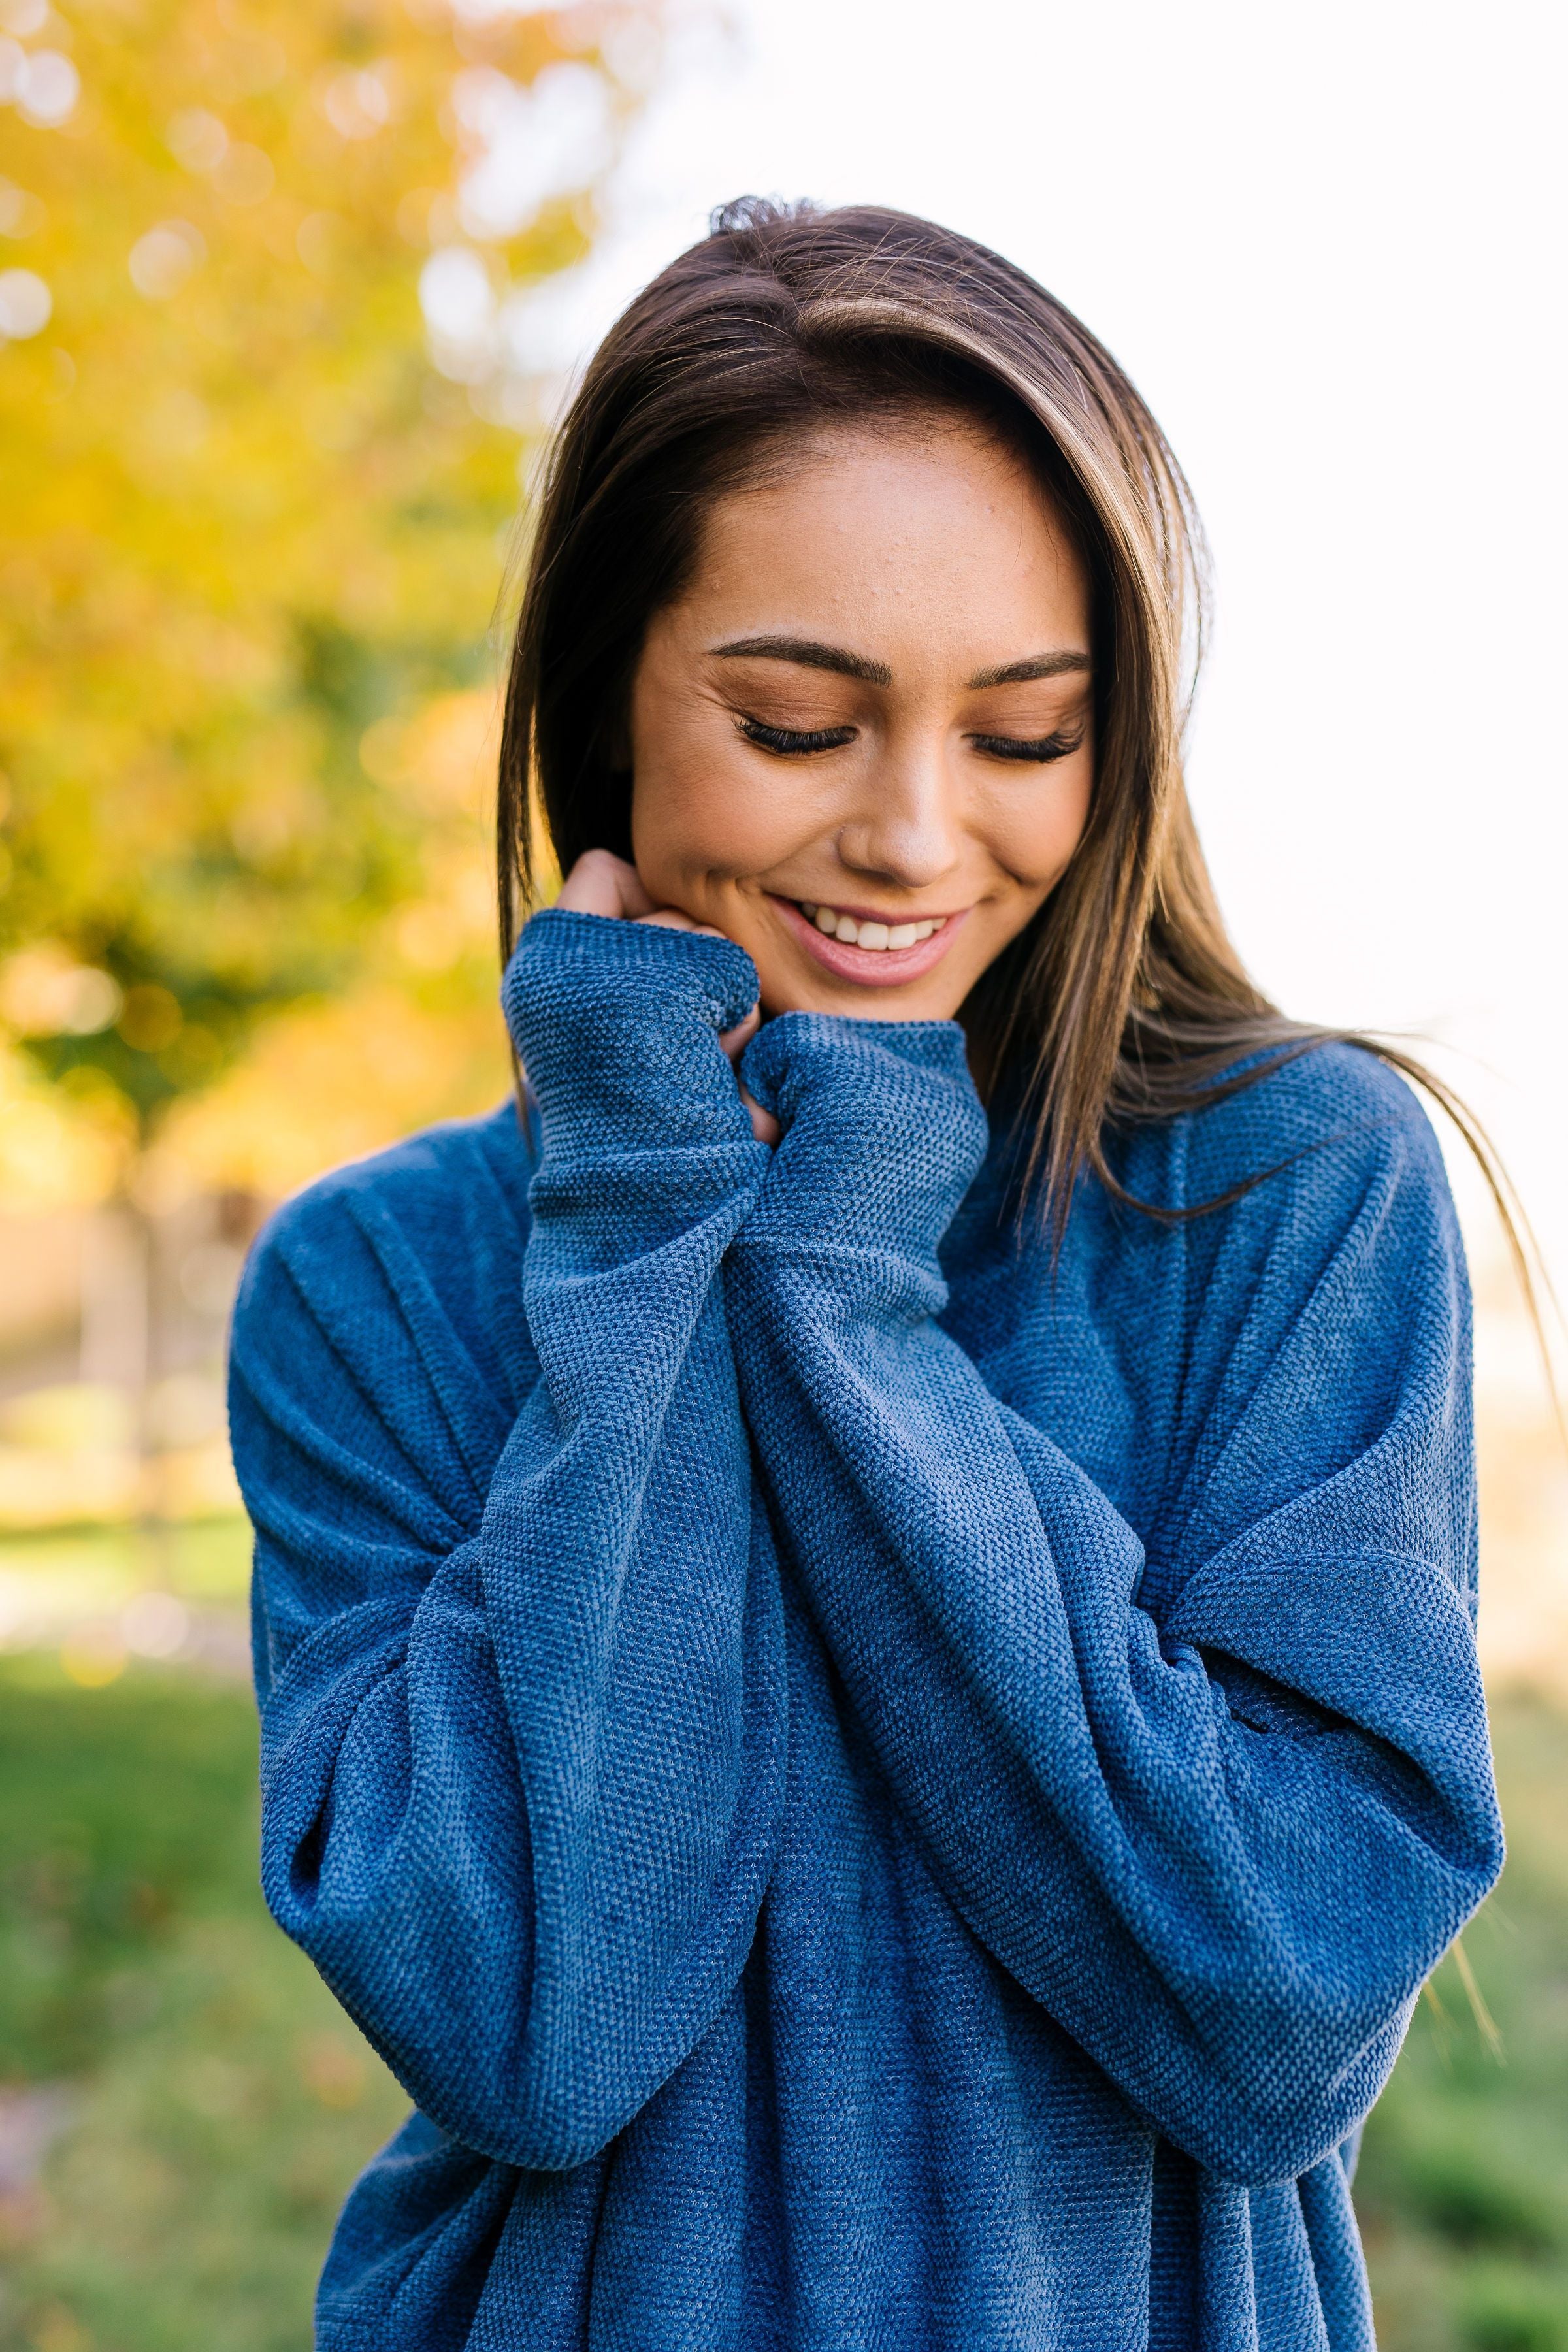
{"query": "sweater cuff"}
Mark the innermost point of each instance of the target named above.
(884, 1132)
(617, 1025)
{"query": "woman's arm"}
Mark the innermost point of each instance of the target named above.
(522, 1704)
(1222, 1848)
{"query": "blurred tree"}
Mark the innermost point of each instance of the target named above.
(268, 277)
(253, 494)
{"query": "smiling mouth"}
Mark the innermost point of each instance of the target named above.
(879, 937)
(873, 951)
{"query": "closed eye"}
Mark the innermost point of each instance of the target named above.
(794, 742)
(1041, 748)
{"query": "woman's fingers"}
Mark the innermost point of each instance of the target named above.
(671, 918)
(736, 1041)
(764, 1126)
(602, 884)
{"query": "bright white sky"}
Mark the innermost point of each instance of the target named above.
(1327, 244)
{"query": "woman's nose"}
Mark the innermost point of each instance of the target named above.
(904, 827)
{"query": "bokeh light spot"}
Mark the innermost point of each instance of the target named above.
(46, 993)
(25, 304)
(244, 175)
(50, 87)
(196, 138)
(154, 1625)
(92, 1656)
(21, 213)
(151, 1017)
(357, 104)
(160, 261)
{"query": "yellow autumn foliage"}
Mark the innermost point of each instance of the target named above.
(256, 502)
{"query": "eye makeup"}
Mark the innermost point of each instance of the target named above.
(794, 742)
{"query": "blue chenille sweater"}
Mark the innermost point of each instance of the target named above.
(879, 1797)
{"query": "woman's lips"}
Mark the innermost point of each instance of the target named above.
(870, 967)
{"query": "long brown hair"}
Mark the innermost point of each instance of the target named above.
(1125, 999)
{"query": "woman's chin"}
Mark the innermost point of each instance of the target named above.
(852, 1004)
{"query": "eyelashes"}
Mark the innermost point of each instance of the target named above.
(1041, 748)
(794, 743)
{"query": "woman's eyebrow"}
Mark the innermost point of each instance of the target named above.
(1019, 673)
(810, 655)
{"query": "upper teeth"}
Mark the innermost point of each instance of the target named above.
(868, 935)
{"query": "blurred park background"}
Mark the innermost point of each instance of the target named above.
(288, 294)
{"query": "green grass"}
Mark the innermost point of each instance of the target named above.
(222, 2104)
(127, 1820)
(1463, 2188)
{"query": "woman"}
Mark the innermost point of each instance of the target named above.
(864, 1620)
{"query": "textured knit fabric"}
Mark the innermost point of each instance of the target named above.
(879, 1795)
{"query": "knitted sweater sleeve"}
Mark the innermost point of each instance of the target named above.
(1221, 1846)
(522, 1682)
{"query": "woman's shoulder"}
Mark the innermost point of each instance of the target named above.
(423, 1182)
(378, 1354)
(1320, 1123)
(430, 1229)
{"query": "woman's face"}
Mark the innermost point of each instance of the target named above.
(860, 741)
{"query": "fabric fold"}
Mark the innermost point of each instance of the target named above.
(468, 1676)
(878, 1785)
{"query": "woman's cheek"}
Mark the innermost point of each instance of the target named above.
(707, 823)
(676, 822)
(1038, 846)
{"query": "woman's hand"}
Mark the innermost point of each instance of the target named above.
(601, 884)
